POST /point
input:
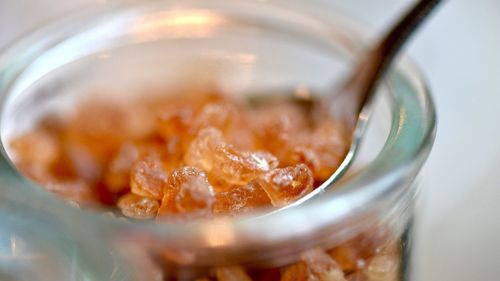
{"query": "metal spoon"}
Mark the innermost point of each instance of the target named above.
(351, 104)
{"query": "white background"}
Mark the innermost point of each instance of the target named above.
(459, 51)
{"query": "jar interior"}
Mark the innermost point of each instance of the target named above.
(145, 51)
(160, 49)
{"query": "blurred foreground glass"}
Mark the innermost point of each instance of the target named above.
(246, 47)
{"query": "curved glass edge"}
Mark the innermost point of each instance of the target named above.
(57, 238)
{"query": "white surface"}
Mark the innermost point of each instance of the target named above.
(459, 52)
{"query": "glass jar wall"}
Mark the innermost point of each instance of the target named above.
(358, 230)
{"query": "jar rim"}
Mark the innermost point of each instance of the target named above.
(409, 143)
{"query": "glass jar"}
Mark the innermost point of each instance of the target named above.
(247, 47)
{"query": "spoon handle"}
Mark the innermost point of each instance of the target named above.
(355, 95)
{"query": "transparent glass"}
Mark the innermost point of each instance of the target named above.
(247, 47)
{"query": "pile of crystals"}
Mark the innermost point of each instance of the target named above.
(192, 155)
(344, 263)
(373, 255)
(184, 155)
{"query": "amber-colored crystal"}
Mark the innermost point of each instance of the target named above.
(241, 199)
(296, 272)
(233, 273)
(286, 185)
(148, 178)
(138, 207)
(322, 266)
(187, 192)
